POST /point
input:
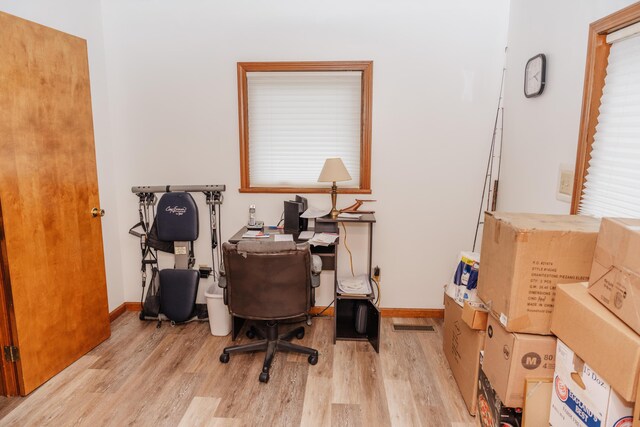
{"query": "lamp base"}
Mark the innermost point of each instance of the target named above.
(334, 195)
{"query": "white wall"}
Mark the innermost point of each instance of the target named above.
(83, 18)
(541, 133)
(172, 98)
(173, 101)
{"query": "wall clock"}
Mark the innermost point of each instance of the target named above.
(535, 76)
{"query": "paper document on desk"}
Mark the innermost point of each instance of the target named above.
(306, 235)
(254, 234)
(323, 239)
(358, 285)
(315, 213)
(283, 237)
(346, 215)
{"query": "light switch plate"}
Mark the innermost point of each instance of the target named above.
(565, 183)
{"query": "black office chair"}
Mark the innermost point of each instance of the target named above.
(269, 281)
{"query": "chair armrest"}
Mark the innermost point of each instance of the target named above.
(316, 268)
(316, 264)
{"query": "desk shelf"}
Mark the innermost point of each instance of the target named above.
(345, 320)
(346, 306)
(327, 254)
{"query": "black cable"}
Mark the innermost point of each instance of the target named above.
(344, 242)
(378, 291)
(324, 309)
(281, 219)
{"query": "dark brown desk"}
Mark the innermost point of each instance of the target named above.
(345, 306)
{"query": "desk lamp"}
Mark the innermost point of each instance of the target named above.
(334, 171)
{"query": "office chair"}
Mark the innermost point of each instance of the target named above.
(269, 282)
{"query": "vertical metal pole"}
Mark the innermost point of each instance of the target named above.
(370, 246)
(335, 288)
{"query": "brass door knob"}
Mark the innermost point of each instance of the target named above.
(97, 212)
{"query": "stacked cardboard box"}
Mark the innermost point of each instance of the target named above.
(602, 347)
(524, 257)
(600, 326)
(598, 337)
(510, 358)
(530, 279)
(581, 397)
(615, 274)
(462, 344)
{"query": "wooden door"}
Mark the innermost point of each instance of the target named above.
(48, 187)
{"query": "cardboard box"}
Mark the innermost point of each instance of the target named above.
(597, 336)
(491, 411)
(615, 274)
(582, 398)
(475, 315)
(537, 402)
(462, 346)
(524, 256)
(510, 358)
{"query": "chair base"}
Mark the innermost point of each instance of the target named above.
(270, 342)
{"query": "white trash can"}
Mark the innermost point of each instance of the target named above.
(219, 317)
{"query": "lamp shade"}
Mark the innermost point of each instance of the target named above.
(334, 171)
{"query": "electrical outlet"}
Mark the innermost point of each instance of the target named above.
(565, 183)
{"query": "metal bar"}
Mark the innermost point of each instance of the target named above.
(370, 247)
(168, 188)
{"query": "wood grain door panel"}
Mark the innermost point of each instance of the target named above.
(48, 185)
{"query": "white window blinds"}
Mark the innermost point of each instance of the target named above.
(612, 185)
(297, 120)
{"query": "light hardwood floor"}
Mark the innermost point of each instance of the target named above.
(171, 376)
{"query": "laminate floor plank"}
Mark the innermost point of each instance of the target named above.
(63, 386)
(316, 408)
(347, 384)
(143, 376)
(418, 392)
(442, 379)
(346, 415)
(401, 404)
(372, 392)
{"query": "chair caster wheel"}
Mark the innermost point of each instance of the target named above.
(264, 377)
(250, 334)
(300, 335)
(313, 359)
(224, 358)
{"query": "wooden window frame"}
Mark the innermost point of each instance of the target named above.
(366, 67)
(595, 73)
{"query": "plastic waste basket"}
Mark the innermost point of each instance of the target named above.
(219, 317)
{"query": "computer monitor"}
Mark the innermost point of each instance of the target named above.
(292, 211)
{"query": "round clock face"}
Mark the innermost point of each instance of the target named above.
(534, 76)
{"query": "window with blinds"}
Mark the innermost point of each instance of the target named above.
(612, 183)
(293, 118)
(297, 120)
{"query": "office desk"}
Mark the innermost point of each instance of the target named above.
(345, 306)
(326, 253)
